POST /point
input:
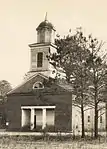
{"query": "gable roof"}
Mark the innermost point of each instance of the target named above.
(27, 86)
(14, 90)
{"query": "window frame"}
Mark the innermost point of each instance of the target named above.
(39, 59)
(37, 83)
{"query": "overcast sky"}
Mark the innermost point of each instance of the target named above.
(19, 19)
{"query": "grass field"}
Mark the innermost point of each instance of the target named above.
(50, 145)
(35, 142)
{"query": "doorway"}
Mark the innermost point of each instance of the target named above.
(34, 121)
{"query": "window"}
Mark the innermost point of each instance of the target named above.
(39, 59)
(38, 85)
(101, 120)
(88, 119)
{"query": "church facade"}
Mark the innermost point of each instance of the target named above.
(40, 102)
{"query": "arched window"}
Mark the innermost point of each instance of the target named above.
(38, 85)
(39, 59)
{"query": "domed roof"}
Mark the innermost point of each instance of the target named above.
(45, 24)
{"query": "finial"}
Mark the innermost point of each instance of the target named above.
(46, 17)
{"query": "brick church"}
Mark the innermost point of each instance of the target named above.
(40, 102)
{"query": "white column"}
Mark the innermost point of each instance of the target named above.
(22, 122)
(32, 118)
(44, 118)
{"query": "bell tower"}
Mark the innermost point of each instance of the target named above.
(42, 48)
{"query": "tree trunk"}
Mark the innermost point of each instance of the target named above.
(106, 118)
(96, 121)
(82, 119)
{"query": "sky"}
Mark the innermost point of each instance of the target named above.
(20, 18)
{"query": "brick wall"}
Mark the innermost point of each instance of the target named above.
(62, 102)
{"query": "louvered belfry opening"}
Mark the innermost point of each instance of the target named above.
(40, 59)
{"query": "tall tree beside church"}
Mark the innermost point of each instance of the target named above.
(5, 87)
(97, 76)
(71, 57)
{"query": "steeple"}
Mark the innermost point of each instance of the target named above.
(46, 17)
(41, 49)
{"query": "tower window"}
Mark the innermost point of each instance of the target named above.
(101, 119)
(39, 59)
(88, 119)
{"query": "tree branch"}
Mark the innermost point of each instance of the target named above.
(101, 108)
(76, 105)
(88, 109)
(101, 114)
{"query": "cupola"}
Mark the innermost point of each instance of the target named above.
(45, 32)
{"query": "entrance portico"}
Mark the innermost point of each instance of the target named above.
(33, 116)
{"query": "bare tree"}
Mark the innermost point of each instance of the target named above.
(97, 75)
(4, 88)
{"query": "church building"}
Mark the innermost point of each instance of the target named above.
(40, 102)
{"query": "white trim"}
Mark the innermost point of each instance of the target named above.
(26, 81)
(43, 118)
(38, 45)
(32, 119)
(38, 107)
